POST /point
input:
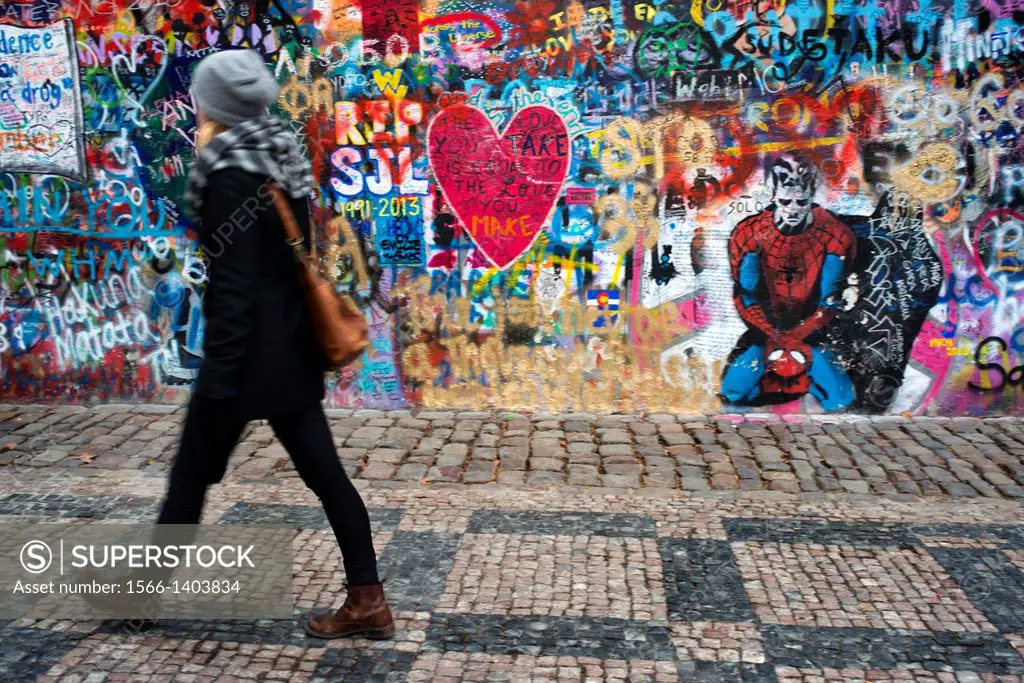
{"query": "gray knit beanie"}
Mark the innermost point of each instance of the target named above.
(234, 86)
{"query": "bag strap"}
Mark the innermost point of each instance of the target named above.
(291, 227)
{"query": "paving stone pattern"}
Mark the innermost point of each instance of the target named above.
(579, 584)
(961, 457)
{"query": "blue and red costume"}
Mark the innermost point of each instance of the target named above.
(787, 289)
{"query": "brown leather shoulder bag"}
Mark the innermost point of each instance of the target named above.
(340, 328)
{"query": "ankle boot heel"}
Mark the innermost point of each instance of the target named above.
(381, 633)
(365, 613)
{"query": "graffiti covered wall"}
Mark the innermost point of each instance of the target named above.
(702, 205)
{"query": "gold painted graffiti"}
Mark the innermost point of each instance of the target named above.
(299, 98)
(619, 227)
(344, 258)
(936, 174)
(614, 361)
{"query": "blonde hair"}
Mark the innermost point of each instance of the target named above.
(207, 132)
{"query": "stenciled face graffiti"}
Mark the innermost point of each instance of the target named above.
(788, 264)
(568, 205)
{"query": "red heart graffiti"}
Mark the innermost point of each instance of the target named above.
(502, 188)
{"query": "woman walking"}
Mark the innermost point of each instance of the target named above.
(261, 360)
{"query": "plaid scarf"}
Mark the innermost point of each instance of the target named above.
(265, 146)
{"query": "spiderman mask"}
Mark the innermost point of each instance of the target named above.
(787, 368)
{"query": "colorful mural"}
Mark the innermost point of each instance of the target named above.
(572, 205)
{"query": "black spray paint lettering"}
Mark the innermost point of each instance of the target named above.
(1013, 377)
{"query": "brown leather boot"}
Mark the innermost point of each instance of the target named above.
(364, 613)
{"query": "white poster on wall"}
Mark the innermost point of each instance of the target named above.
(41, 129)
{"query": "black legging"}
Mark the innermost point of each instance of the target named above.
(212, 429)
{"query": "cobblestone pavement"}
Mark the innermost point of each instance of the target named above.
(637, 582)
(963, 457)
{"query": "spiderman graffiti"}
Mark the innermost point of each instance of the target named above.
(789, 266)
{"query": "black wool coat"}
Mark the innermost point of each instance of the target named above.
(259, 348)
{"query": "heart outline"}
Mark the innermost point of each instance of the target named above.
(500, 137)
(132, 61)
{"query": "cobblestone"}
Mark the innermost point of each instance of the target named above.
(686, 549)
(502, 584)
